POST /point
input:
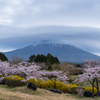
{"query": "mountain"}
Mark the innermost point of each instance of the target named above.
(64, 52)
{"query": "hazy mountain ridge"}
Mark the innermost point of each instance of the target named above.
(63, 52)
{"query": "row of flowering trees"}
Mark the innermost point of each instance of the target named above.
(91, 72)
(30, 71)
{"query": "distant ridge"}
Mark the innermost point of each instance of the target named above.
(64, 52)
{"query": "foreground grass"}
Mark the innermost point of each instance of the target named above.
(22, 93)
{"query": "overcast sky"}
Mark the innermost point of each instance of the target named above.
(76, 22)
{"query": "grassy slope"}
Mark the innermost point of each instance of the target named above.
(22, 93)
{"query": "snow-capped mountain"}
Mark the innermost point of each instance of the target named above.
(64, 52)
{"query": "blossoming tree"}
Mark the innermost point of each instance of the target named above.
(30, 71)
(5, 68)
(56, 75)
(24, 69)
(91, 73)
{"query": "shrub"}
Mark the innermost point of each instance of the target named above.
(49, 84)
(59, 85)
(37, 83)
(14, 83)
(14, 80)
(70, 68)
(55, 66)
(14, 77)
(90, 89)
(72, 85)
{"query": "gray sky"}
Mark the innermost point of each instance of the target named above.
(75, 22)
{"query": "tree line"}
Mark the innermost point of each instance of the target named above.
(42, 58)
(35, 58)
(3, 57)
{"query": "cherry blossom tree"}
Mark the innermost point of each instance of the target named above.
(5, 69)
(56, 75)
(91, 73)
(30, 71)
(24, 69)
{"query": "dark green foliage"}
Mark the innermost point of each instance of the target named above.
(40, 58)
(14, 83)
(3, 57)
(52, 59)
(78, 65)
(50, 68)
(49, 59)
(31, 58)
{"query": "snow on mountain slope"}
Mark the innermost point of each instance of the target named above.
(64, 52)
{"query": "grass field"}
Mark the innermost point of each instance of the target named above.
(23, 93)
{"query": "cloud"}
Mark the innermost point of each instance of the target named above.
(24, 21)
(29, 13)
(81, 37)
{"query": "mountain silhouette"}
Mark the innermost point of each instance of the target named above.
(64, 52)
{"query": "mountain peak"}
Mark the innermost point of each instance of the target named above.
(49, 42)
(64, 52)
